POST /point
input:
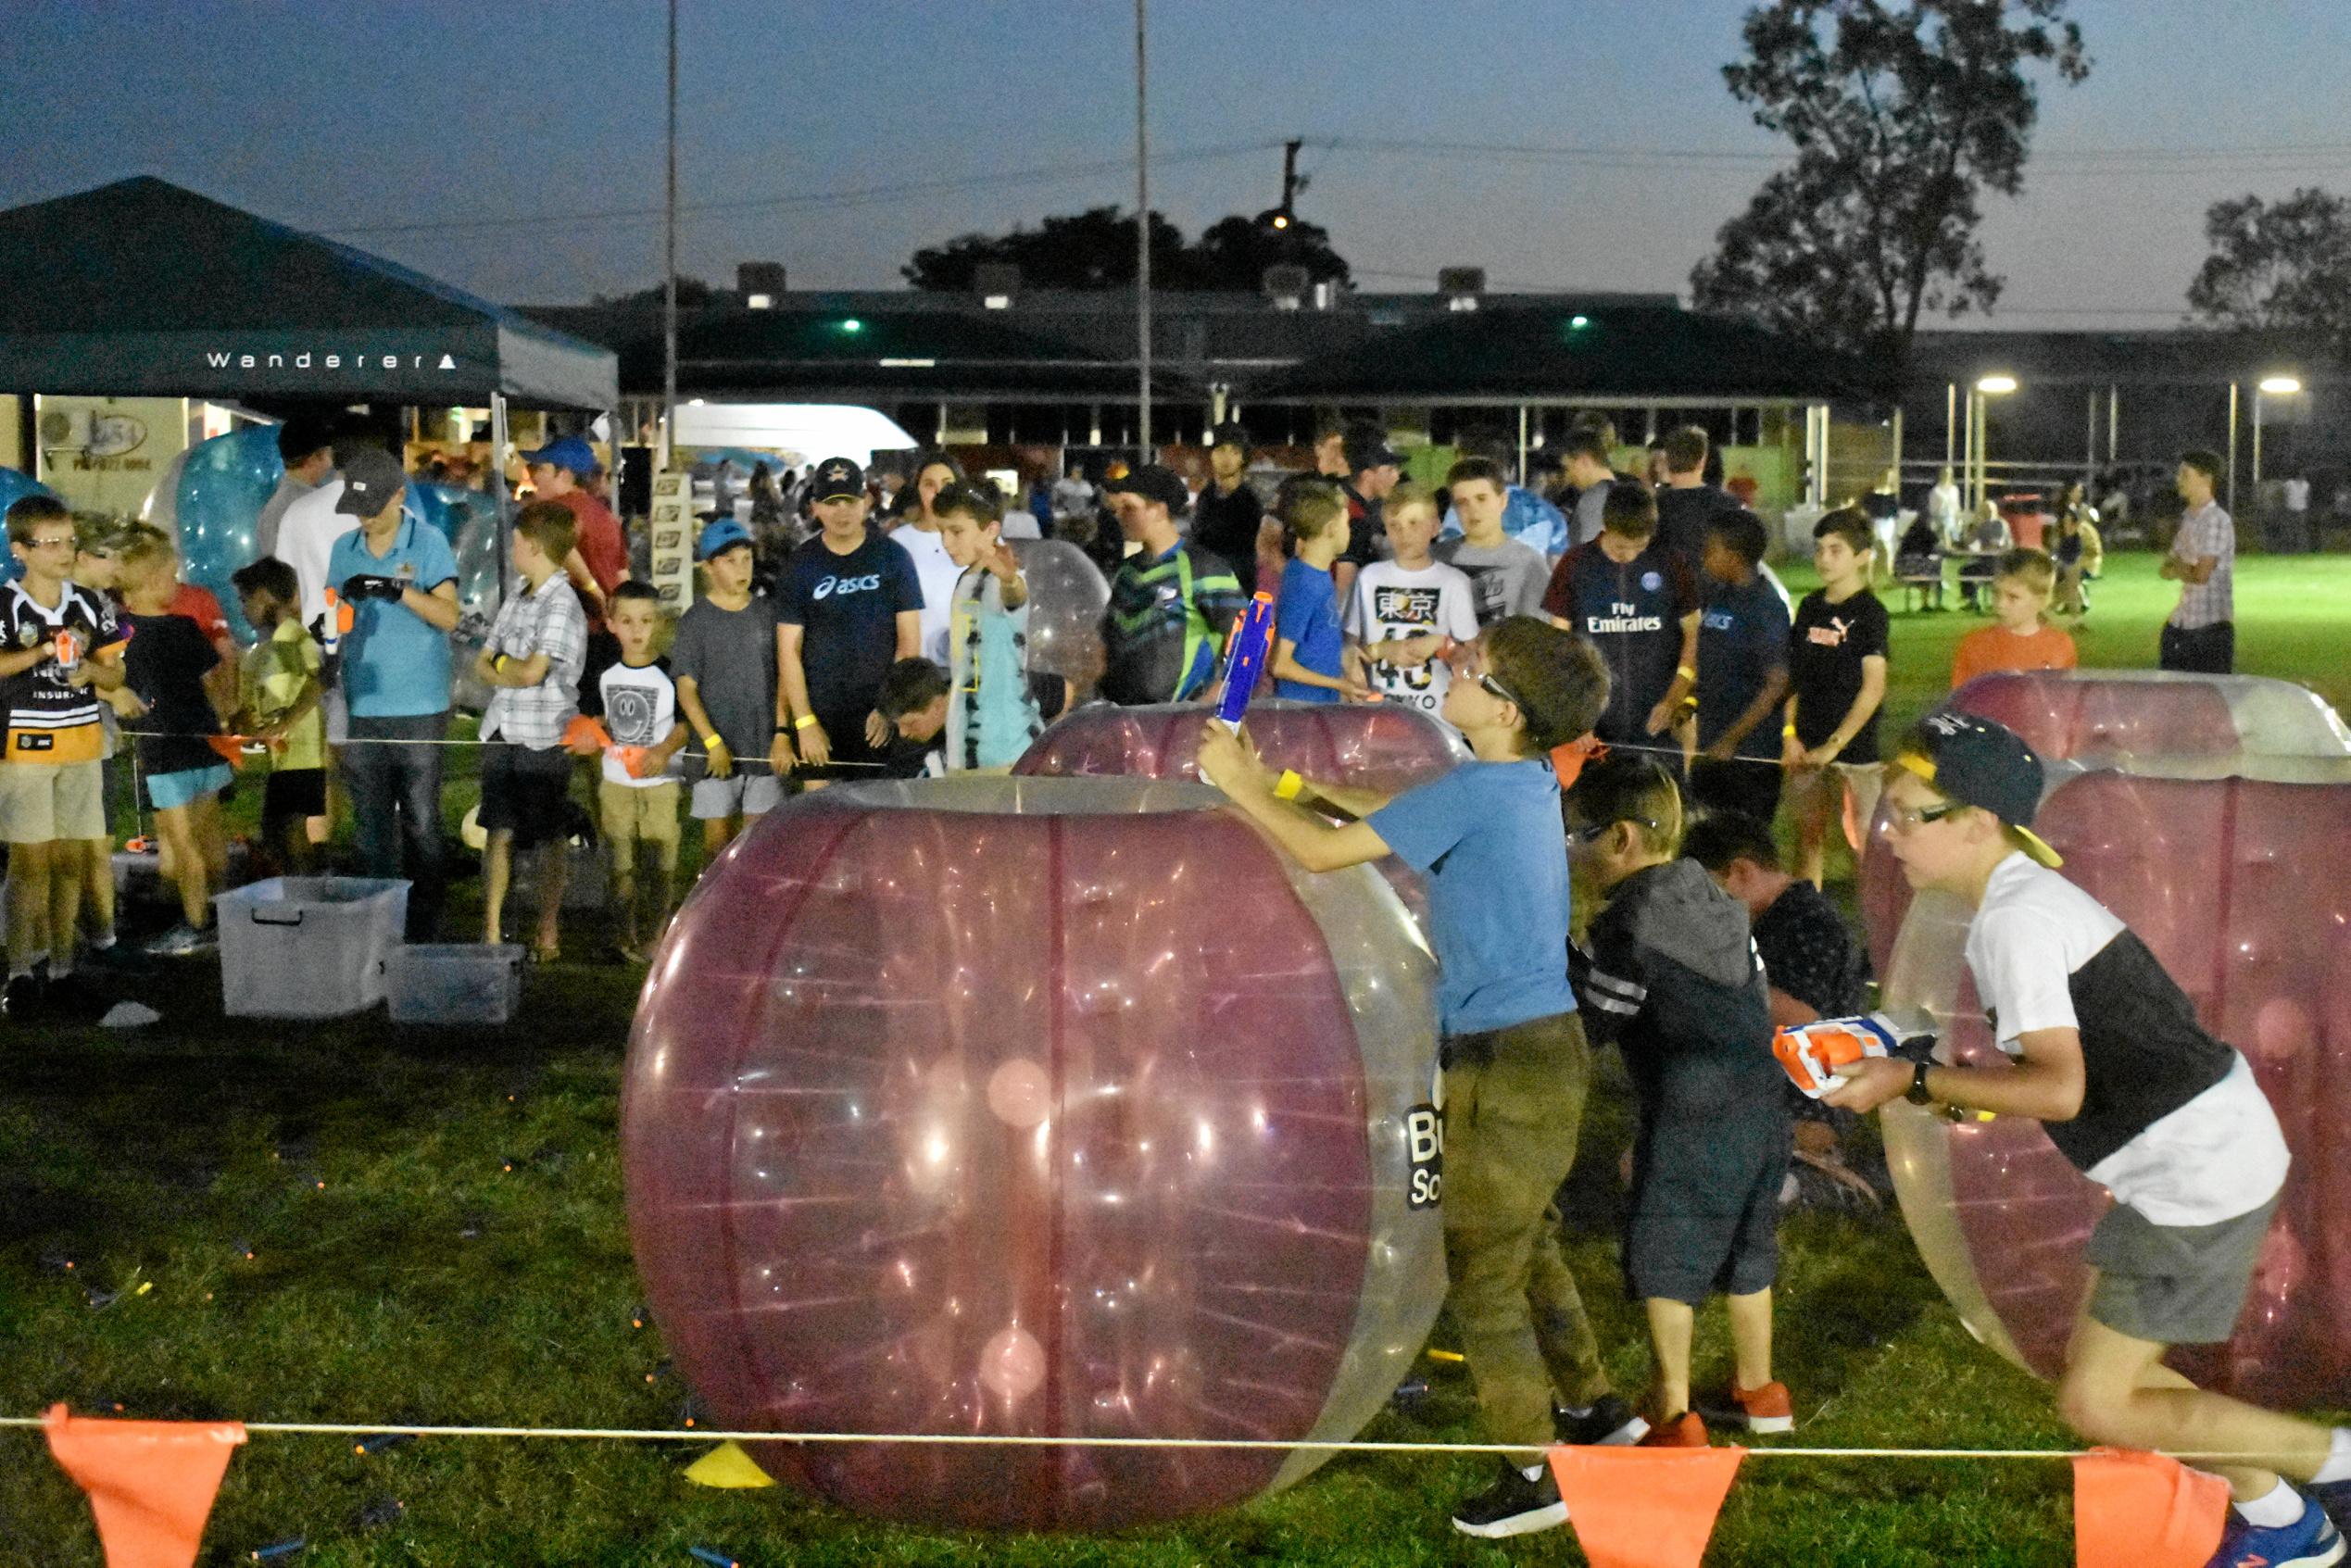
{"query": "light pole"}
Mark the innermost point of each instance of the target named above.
(1999, 384)
(2269, 386)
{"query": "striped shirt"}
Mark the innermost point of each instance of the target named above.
(51, 719)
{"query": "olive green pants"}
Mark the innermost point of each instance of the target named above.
(1513, 1107)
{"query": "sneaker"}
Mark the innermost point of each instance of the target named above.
(1687, 1430)
(71, 999)
(183, 940)
(1609, 1423)
(21, 998)
(2311, 1541)
(1513, 1506)
(1764, 1410)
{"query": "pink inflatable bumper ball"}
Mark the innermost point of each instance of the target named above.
(1378, 746)
(2152, 723)
(1037, 1108)
(2233, 883)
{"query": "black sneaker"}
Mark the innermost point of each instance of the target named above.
(21, 1000)
(1609, 1423)
(72, 1000)
(1513, 1506)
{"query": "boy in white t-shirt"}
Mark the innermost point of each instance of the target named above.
(1406, 610)
(638, 795)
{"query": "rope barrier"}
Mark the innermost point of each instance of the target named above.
(967, 1440)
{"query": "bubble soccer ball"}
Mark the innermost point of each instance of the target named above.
(1067, 594)
(216, 503)
(1033, 1107)
(2230, 882)
(1377, 745)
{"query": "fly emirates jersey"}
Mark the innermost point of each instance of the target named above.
(1391, 603)
(1632, 612)
(49, 719)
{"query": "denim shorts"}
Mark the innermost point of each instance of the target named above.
(168, 790)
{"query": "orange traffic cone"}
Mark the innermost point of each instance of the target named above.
(150, 1482)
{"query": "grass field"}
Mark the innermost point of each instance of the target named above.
(435, 1236)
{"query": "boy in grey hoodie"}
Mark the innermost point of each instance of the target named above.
(1669, 973)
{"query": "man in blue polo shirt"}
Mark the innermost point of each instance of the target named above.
(399, 577)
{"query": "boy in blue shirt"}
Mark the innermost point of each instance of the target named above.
(1309, 662)
(991, 714)
(1487, 836)
(1742, 672)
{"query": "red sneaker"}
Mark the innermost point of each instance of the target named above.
(1766, 1409)
(1687, 1430)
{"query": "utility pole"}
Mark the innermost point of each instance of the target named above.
(669, 271)
(1142, 233)
(1290, 183)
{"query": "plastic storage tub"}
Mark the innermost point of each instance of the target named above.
(308, 946)
(435, 983)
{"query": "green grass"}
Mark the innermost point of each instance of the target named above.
(425, 1281)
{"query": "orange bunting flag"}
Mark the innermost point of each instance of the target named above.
(584, 733)
(1644, 1508)
(1568, 760)
(2137, 1509)
(150, 1482)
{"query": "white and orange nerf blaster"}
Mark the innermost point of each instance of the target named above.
(1811, 1053)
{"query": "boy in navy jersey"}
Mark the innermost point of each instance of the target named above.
(1636, 602)
(2109, 1057)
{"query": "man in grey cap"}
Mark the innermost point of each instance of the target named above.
(399, 577)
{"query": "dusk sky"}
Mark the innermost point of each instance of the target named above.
(376, 121)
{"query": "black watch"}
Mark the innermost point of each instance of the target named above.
(1917, 1094)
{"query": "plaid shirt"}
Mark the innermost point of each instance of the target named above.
(549, 620)
(2207, 531)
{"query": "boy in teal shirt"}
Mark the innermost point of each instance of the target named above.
(991, 712)
(1488, 837)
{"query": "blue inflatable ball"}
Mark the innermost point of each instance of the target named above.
(469, 520)
(15, 484)
(216, 504)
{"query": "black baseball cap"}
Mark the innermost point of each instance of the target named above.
(1980, 763)
(1368, 448)
(837, 479)
(371, 477)
(1156, 481)
(1229, 434)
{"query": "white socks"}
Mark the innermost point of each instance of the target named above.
(2280, 1508)
(2337, 1468)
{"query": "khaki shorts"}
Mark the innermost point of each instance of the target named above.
(43, 802)
(631, 813)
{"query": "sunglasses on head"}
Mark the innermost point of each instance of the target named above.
(1592, 832)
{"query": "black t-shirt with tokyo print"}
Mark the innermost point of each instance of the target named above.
(1825, 649)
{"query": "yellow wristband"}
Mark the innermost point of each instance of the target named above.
(1288, 785)
(804, 721)
(502, 661)
(713, 743)
(1788, 732)
(1684, 672)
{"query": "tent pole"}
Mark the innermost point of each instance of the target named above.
(498, 498)
(669, 266)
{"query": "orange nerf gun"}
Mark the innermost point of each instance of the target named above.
(1811, 1053)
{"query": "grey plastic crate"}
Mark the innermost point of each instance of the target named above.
(308, 946)
(453, 982)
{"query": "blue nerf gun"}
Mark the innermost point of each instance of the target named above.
(1252, 640)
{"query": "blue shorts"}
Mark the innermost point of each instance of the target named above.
(168, 790)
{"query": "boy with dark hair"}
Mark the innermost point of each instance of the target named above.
(1837, 681)
(1671, 975)
(176, 671)
(1686, 503)
(306, 446)
(1514, 1058)
(279, 698)
(1633, 599)
(1742, 672)
(994, 715)
(2022, 638)
(59, 649)
(1586, 451)
(914, 700)
(532, 662)
(636, 795)
(2200, 635)
(847, 605)
(2109, 1057)
(1507, 576)
(1172, 604)
(1310, 648)
(723, 662)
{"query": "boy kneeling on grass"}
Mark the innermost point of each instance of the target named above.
(1672, 977)
(2110, 1057)
(1515, 1063)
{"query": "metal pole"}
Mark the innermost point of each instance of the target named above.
(499, 503)
(2090, 452)
(2114, 419)
(2257, 443)
(669, 268)
(1950, 422)
(2232, 449)
(1143, 229)
(1522, 444)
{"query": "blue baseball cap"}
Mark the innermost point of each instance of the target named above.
(720, 535)
(569, 452)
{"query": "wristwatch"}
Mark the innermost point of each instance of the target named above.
(1917, 1093)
